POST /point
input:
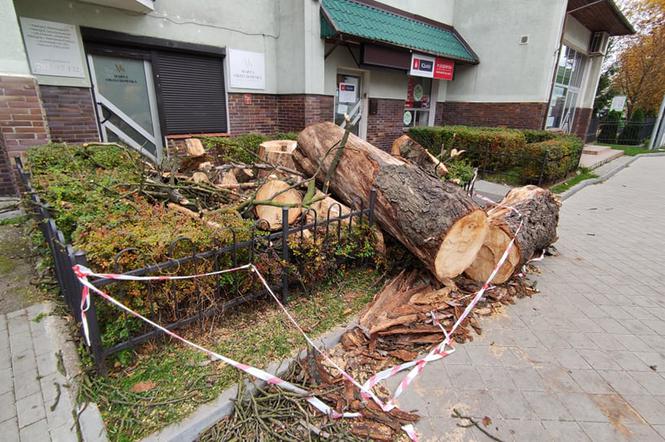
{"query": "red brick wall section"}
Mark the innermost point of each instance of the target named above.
(319, 108)
(70, 113)
(7, 187)
(387, 124)
(291, 112)
(271, 114)
(256, 113)
(22, 120)
(517, 115)
(581, 122)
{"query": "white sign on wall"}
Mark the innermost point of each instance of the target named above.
(618, 103)
(247, 70)
(53, 48)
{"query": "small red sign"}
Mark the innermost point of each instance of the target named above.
(444, 69)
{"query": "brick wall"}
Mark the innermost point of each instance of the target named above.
(581, 122)
(70, 113)
(517, 115)
(22, 120)
(387, 124)
(7, 187)
(270, 114)
(256, 113)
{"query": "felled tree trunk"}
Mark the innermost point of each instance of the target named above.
(408, 149)
(436, 221)
(540, 212)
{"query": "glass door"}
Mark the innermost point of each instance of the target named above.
(126, 103)
(348, 101)
(566, 89)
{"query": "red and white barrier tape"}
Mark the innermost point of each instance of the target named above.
(83, 273)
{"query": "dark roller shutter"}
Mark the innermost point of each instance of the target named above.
(191, 93)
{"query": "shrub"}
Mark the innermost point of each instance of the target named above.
(537, 136)
(486, 147)
(551, 160)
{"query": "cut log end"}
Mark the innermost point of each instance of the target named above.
(277, 192)
(537, 210)
(461, 244)
(489, 255)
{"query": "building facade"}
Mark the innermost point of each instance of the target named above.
(146, 72)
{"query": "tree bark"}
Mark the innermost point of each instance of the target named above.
(408, 149)
(540, 213)
(436, 221)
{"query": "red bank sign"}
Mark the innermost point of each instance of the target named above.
(432, 67)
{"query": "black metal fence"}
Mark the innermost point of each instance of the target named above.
(630, 133)
(237, 253)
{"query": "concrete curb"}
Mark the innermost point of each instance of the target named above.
(90, 420)
(207, 415)
(576, 188)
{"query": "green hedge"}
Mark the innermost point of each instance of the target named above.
(552, 159)
(512, 151)
(537, 136)
(489, 147)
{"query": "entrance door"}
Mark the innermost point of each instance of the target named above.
(349, 101)
(126, 103)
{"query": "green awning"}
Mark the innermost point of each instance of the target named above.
(371, 22)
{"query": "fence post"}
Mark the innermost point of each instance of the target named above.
(285, 254)
(96, 347)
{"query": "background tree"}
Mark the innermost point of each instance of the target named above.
(640, 67)
(605, 92)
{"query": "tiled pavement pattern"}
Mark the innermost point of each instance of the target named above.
(35, 401)
(585, 358)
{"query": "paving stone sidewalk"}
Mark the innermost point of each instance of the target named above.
(37, 400)
(584, 359)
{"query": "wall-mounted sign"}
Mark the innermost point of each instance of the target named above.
(53, 48)
(618, 103)
(444, 69)
(407, 118)
(348, 93)
(247, 70)
(431, 67)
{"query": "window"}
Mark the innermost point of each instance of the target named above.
(190, 92)
(418, 101)
(566, 89)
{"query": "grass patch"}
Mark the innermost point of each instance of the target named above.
(630, 151)
(582, 175)
(180, 378)
(14, 221)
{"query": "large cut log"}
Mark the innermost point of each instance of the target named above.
(270, 198)
(407, 148)
(435, 220)
(540, 211)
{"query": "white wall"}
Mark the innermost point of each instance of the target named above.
(576, 35)
(438, 10)
(251, 25)
(13, 60)
(508, 71)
